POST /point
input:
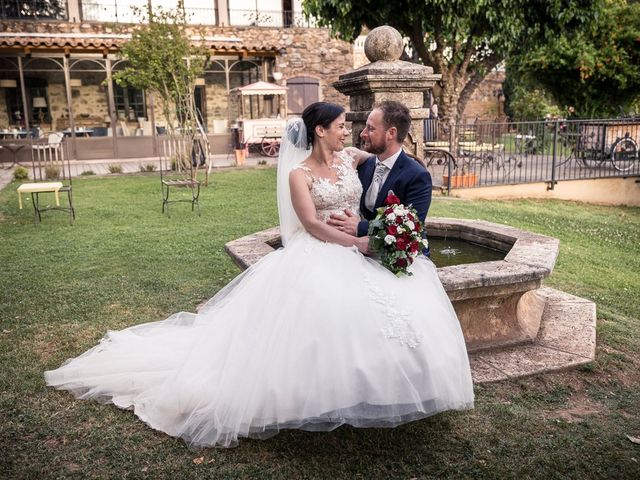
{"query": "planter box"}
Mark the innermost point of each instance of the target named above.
(457, 181)
(240, 157)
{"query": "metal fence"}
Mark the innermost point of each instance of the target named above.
(528, 152)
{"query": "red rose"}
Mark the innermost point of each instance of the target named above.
(401, 263)
(411, 217)
(401, 244)
(410, 260)
(417, 226)
(399, 220)
(392, 230)
(391, 199)
(414, 247)
(388, 211)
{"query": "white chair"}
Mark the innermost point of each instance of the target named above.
(50, 150)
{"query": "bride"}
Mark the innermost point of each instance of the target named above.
(313, 336)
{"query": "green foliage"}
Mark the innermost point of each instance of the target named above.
(531, 104)
(594, 70)
(114, 168)
(87, 172)
(149, 167)
(52, 172)
(462, 40)
(20, 173)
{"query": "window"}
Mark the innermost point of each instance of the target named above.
(129, 103)
(36, 88)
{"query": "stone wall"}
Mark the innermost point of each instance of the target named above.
(487, 101)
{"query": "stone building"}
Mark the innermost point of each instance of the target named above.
(57, 58)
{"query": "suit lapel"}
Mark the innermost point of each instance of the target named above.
(395, 172)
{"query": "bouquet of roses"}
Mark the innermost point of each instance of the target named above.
(395, 235)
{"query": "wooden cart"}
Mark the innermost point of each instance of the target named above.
(261, 112)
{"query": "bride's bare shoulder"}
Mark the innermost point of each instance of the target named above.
(355, 155)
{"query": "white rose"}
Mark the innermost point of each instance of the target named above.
(389, 239)
(425, 243)
(400, 230)
(410, 225)
(399, 211)
(391, 218)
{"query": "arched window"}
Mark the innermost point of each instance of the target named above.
(302, 92)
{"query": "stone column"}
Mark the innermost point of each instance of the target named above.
(387, 78)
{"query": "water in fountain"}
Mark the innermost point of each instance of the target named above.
(452, 251)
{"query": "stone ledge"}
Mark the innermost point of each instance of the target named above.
(566, 339)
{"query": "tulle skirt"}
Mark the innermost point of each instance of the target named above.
(313, 336)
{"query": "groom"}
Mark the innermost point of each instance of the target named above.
(388, 169)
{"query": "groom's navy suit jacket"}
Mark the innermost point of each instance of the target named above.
(408, 179)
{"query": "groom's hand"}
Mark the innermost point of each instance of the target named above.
(347, 223)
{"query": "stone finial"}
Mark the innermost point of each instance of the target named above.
(383, 44)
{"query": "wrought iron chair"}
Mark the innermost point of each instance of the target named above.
(51, 173)
(180, 158)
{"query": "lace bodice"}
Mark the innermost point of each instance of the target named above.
(329, 197)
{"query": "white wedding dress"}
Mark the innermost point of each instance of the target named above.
(313, 336)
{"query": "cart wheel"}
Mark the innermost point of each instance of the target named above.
(270, 146)
(624, 154)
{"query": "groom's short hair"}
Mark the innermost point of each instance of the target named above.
(395, 114)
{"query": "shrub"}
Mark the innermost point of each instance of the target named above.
(88, 172)
(20, 173)
(51, 172)
(115, 168)
(150, 167)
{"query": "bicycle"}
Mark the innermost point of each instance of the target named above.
(587, 144)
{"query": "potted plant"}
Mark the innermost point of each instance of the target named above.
(462, 175)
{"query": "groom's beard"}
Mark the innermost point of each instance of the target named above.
(374, 149)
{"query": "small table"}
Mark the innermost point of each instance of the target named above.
(14, 148)
(39, 188)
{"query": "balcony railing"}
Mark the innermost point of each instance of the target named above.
(269, 18)
(33, 10)
(133, 11)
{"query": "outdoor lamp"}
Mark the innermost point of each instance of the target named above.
(40, 103)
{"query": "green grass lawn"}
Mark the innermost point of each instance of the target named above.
(124, 262)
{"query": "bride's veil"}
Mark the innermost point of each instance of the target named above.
(293, 150)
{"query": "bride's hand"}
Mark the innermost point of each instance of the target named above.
(362, 244)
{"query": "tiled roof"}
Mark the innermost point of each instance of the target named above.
(83, 41)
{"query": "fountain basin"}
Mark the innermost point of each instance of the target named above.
(496, 301)
(512, 326)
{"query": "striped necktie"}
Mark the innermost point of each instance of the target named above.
(374, 188)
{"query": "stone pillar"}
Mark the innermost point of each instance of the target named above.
(387, 78)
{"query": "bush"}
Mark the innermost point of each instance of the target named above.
(150, 167)
(51, 172)
(115, 168)
(20, 173)
(88, 172)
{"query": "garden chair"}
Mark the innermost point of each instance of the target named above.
(51, 173)
(179, 163)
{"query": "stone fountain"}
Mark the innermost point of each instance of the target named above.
(513, 326)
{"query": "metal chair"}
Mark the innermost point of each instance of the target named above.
(178, 170)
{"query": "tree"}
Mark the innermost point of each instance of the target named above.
(595, 71)
(161, 59)
(463, 40)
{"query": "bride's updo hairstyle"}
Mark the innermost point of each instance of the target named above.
(319, 113)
